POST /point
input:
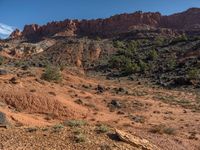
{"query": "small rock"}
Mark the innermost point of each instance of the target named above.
(139, 119)
(40, 81)
(121, 89)
(3, 72)
(100, 89)
(184, 111)
(14, 80)
(156, 112)
(52, 93)
(3, 120)
(120, 113)
(33, 129)
(25, 67)
(85, 86)
(115, 103)
(137, 142)
(79, 101)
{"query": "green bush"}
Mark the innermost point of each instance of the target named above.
(180, 38)
(160, 129)
(52, 74)
(159, 41)
(80, 138)
(118, 61)
(126, 52)
(194, 74)
(75, 123)
(128, 59)
(102, 128)
(143, 66)
(118, 44)
(124, 64)
(132, 46)
(153, 55)
(171, 63)
(20, 63)
(130, 68)
(142, 42)
(62, 67)
(57, 127)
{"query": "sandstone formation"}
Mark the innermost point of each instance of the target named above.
(135, 141)
(16, 33)
(186, 21)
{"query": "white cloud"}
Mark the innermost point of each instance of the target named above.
(5, 30)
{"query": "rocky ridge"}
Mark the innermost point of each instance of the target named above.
(187, 21)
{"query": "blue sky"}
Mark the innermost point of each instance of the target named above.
(17, 13)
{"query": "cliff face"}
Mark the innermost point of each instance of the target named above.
(34, 31)
(188, 20)
(118, 24)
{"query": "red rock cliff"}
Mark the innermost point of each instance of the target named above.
(114, 25)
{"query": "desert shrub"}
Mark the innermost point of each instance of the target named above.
(123, 63)
(77, 131)
(142, 42)
(75, 123)
(171, 63)
(160, 129)
(128, 59)
(126, 52)
(130, 68)
(143, 66)
(180, 38)
(119, 44)
(183, 37)
(118, 61)
(20, 63)
(102, 128)
(52, 74)
(153, 55)
(62, 67)
(128, 49)
(31, 129)
(132, 46)
(57, 127)
(133, 43)
(169, 131)
(152, 66)
(159, 41)
(193, 74)
(79, 138)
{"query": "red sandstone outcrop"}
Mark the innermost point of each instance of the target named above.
(16, 33)
(188, 20)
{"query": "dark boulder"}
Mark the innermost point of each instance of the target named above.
(3, 120)
(100, 89)
(3, 72)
